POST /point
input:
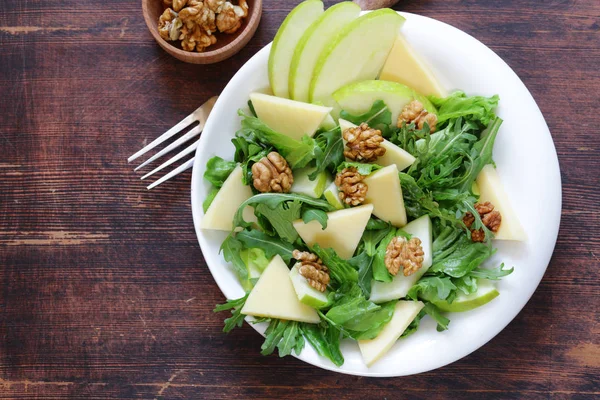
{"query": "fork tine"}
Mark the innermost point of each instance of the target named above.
(200, 112)
(184, 123)
(179, 156)
(171, 174)
(194, 132)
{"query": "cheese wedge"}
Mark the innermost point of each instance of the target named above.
(404, 65)
(274, 296)
(385, 194)
(393, 154)
(343, 232)
(491, 189)
(232, 194)
(292, 118)
(405, 311)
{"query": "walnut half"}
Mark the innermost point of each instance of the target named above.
(404, 253)
(490, 218)
(272, 174)
(363, 143)
(415, 113)
(312, 268)
(352, 189)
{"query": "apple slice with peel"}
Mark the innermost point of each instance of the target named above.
(491, 189)
(343, 232)
(486, 292)
(357, 98)
(393, 154)
(404, 313)
(307, 294)
(405, 66)
(274, 296)
(385, 194)
(292, 118)
(232, 194)
(284, 44)
(312, 43)
(355, 54)
(303, 185)
(400, 285)
(332, 196)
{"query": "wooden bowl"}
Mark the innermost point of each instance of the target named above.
(226, 46)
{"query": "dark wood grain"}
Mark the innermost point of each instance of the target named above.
(104, 292)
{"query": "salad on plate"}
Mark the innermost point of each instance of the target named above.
(361, 196)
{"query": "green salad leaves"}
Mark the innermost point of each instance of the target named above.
(439, 184)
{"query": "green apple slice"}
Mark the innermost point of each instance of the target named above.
(307, 294)
(303, 185)
(292, 118)
(313, 42)
(400, 285)
(219, 215)
(332, 196)
(284, 44)
(393, 154)
(491, 189)
(486, 292)
(385, 194)
(344, 230)
(404, 313)
(355, 54)
(357, 98)
(274, 296)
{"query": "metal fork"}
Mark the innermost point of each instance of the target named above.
(200, 116)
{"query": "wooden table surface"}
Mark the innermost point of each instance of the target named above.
(104, 292)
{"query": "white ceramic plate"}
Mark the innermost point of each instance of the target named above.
(526, 160)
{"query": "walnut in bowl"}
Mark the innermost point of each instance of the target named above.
(202, 31)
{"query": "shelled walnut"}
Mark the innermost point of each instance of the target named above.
(491, 219)
(404, 253)
(195, 22)
(312, 268)
(415, 113)
(352, 189)
(363, 143)
(272, 174)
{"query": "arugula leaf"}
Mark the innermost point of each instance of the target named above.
(458, 104)
(297, 153)
(376, 224)
(380, 271)
(274, 200)
(237, 318)
(418, 203)
(414, 325)
(378, 117)
(255, 257)
(217, 170)
(364, 264)
(231, 249)
(281, 218)
(492, 273)
(431, 288)
(209, 198)
(361, 168)
(466, 284)
(252, 110)
(356, 316)
(370, 239)
(271, 246)
(313, 214)
(464, 256)
(340, 270)
(331, 154)
(436, 314)
(325, 339)
(284, 335)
